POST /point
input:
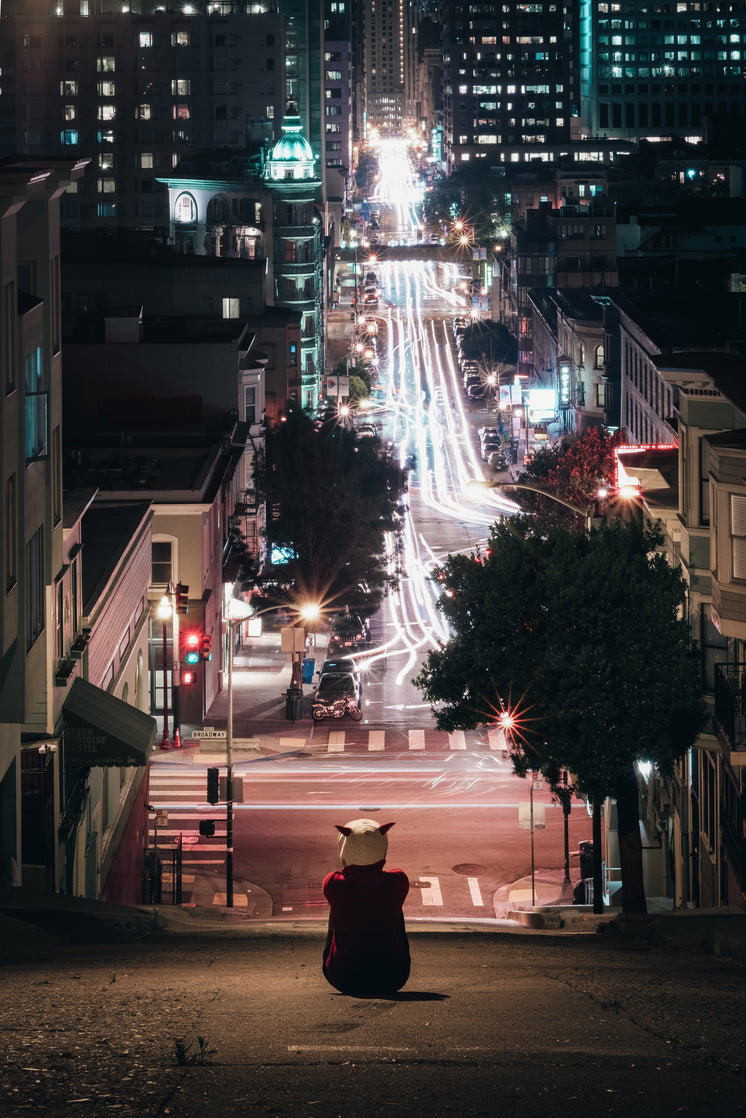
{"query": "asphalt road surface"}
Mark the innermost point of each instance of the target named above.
(489, 1024)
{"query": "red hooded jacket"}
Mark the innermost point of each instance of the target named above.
(367, 951)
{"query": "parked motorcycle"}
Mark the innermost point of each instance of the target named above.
(337, 708)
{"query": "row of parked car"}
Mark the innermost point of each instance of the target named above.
(492, 449)
(339, 690)
(472, 379)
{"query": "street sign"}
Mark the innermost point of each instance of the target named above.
(208, 733)
(161, 817)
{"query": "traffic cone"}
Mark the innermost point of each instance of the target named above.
(177, 740)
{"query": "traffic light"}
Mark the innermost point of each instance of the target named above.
(213, 786)
(182, 598)
(207, 827)
(191, 646)
(187, 678)
(205, 647)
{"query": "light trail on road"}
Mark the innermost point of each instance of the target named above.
(426, 420)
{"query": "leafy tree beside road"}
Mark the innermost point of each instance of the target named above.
(579, 636)
(331, 497)
(574, 469)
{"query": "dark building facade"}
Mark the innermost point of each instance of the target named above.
(510, 78)
(661, 70)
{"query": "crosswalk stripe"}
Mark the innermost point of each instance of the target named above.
(336, 741)
(496, 738)
(416, 739)
(456, 740)
(476, 895)
(376, 739)
(431, 894)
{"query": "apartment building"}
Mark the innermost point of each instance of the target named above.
(134, 89)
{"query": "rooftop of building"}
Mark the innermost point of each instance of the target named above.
(107, 530)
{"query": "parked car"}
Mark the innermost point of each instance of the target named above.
(367, 430)
(490, 445)
(472, 379)
(337, 694)
(498, 460)
(459, 320)
(348, 631)
(475, 392)
(341, 665)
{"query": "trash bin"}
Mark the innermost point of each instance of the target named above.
(308, 669)
(293, 704)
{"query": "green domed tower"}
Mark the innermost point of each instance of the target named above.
(296, 234)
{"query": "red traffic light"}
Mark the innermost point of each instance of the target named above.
(191, 642)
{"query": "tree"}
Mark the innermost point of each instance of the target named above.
(470, 194)
(490, 341)
(579, 636)
(574, 469)
(356, 371)
(331, 497)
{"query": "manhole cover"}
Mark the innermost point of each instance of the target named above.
(469, 869)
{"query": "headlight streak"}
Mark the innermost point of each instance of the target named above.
(423, 392)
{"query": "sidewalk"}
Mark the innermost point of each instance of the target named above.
(261, 676)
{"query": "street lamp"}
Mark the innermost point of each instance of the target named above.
(235, 610)
(165, 611)
(589, 513)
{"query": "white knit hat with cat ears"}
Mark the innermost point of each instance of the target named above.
(363, 842)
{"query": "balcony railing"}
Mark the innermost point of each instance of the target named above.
(730, 704)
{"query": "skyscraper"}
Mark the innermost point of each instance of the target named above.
(656, 70)
(389, 39)
(510, 78)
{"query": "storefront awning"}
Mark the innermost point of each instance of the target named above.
(101, 730)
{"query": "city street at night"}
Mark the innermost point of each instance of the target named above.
(463, 819)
